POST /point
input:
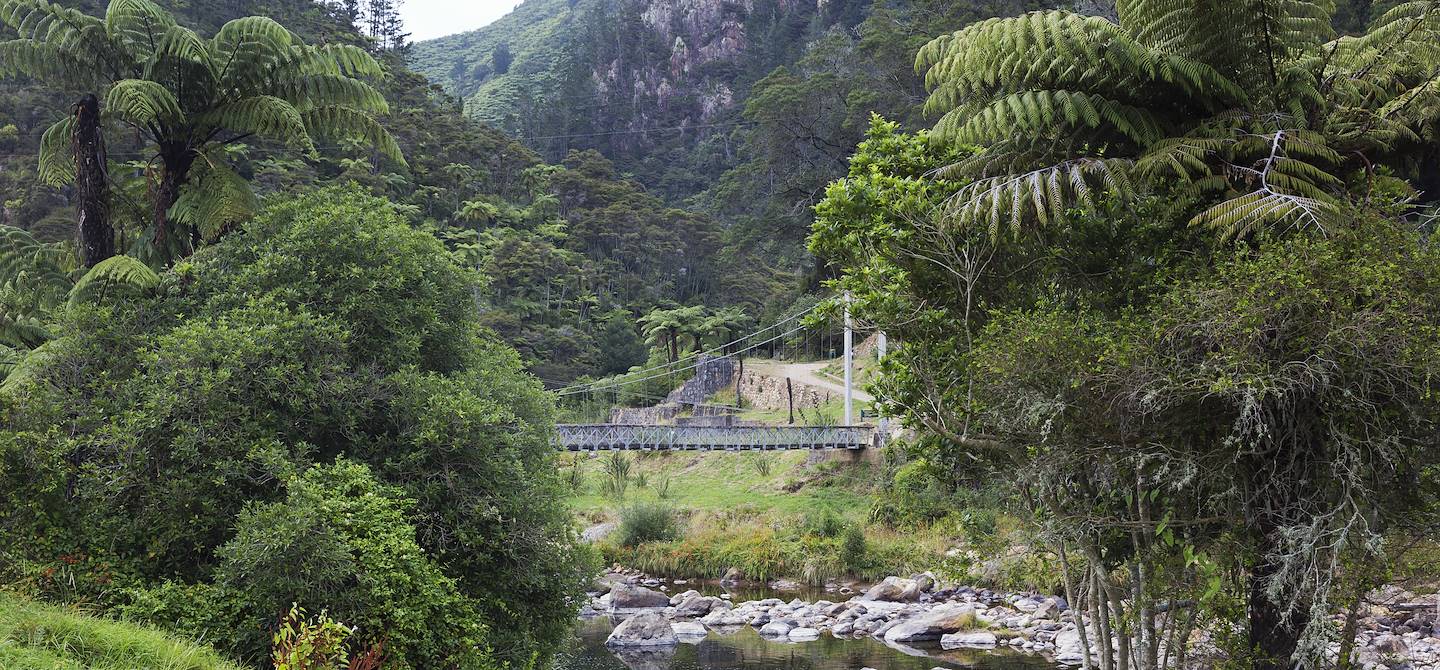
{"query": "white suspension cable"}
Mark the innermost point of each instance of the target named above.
(721, 348)
(629, 382)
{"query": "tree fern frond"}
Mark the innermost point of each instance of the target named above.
(57, 153)
(264, 115)
(314, 90)
(27, 367)
(139, 27)
(142, 102)
(113, 278)
(1040, 195)
(1239, 217)
(337, 122)
(216, 199)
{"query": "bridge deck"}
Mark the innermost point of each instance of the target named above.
(598, 437)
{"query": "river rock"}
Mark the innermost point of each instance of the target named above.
(648, 629)
(893, 589)
(698, 606)
(775, 629)
(629, 596)
(933, 624)
(732, 576)
(688, 629)
(799, 634)
(682, 597)
(970, 639)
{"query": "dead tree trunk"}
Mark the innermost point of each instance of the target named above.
(94, 233)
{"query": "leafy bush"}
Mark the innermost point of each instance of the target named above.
(852, 548)
(329, 328)
(647, 522)
(823, 523)
(321, 544)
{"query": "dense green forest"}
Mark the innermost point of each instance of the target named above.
(278, 315)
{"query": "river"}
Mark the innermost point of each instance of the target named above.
(744, 649)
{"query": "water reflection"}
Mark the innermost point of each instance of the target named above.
(744, 649)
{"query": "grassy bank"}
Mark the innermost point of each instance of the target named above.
(792, 514)
(39, 637)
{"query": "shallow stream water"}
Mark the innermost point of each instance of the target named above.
(744, 649)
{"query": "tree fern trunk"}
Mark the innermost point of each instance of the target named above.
(175, 167)
(94, 233)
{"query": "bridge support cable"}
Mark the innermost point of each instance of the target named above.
(587, 388)
(608, 437)
(723, 349)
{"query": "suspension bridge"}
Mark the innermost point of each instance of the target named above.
(714, 370)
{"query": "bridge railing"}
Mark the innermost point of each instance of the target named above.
(595, 437)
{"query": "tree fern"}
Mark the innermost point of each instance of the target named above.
(1255, 102)
(114, 277)
(252, 78)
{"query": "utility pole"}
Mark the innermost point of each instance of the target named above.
(849, 367)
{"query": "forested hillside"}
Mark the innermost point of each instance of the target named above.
(575, 250)
(742, 110)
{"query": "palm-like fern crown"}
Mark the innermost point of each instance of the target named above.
(188, 95)
(1253, 99)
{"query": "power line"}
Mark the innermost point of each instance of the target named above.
(724, 347)
(629, 382)
(634, 132)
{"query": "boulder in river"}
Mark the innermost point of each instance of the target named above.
(629, 596)
(799, 634)
(688, 630)
(648, 629)
(970, 639)
(894, 589)
(698, 606)
(933, 624)
(775, 629)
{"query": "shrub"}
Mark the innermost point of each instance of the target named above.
(341, 540)
(852, 548)
(647, 522)
(617, 473)
(823, 523)
(329, 327)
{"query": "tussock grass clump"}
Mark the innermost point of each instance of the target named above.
(647, 522)
(34, 636)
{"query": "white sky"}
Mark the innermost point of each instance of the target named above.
(428, 19)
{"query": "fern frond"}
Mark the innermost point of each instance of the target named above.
(114, 278)
(57, 153)
(137, 26)
(339, 122)
(264, 115)
(1041, 195)
(142, 103)
(215, 200)
(1239, 217)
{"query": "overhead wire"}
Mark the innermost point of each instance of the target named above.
(628, 382)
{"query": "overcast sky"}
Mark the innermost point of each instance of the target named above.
(428, 19)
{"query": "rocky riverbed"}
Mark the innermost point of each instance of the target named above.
(918, 610)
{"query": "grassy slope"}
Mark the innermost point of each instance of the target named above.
(727, 482)
(36, 637)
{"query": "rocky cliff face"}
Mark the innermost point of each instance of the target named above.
(632, 78)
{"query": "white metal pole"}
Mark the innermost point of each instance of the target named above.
(849, 367)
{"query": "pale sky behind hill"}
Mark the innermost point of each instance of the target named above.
(429, 19)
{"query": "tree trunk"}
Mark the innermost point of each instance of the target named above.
(175, 168)
(94, 233)
(1273, 636)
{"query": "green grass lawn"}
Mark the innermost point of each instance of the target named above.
(728, 481)
(39, 637)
